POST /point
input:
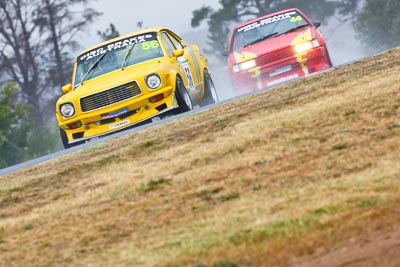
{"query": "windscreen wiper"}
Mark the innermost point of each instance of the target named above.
(126, 57)
(263, 38)
(295, 29)
(92, 67)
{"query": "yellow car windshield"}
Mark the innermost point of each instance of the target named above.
(117, 55)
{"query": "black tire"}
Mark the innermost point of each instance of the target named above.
(64, 138)
(210, 93)
(329, 58)
(182, 96)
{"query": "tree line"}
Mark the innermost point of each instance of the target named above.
(36, 41)
(39, 38)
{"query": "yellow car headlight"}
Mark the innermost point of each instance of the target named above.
(153, 81)
(306, 46)
(244, 66)
(67, 110)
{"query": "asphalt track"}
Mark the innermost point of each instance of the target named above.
(60, 153)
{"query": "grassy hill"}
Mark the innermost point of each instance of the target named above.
(272, 179)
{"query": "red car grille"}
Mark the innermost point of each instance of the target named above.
(110, 96)
(275, 56)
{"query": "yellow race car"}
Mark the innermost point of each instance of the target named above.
(131, 80)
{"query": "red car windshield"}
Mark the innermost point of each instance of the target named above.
(267, 28)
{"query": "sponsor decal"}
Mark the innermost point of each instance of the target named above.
(114, 114)
(280, 71)
(196, 63)
(257, 76)
(118, 125)
(188, 73)
(296, 19)
(269, 20)
(243, 56)
(148, 37)
(150, 44)
(283, 79)
(301, 57)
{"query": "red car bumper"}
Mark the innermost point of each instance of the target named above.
(279, 67)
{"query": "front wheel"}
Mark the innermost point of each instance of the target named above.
(64, 138)
(182, 96)
(210, 93)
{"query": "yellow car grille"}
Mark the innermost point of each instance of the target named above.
(110, 96)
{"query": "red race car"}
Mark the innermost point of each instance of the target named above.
(275, 48)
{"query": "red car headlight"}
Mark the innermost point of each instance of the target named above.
(307, 46)
(244, 66)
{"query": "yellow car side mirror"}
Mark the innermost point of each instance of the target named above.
(66, 88)
(178, 53)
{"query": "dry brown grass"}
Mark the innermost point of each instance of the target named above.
(260, 181)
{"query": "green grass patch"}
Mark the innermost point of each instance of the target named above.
(367, 203)
(228, 197)
(4, 191)
(27, 227)
(149, 143)
(225, 263)
(393, 126)
(120, 192)
(340, 146)
(260, 163)
(153, 185)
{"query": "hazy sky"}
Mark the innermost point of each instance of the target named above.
(124, 14)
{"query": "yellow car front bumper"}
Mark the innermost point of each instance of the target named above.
(120, 115)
